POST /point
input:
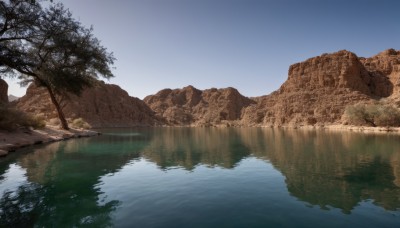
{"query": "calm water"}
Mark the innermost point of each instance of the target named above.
(205, 177)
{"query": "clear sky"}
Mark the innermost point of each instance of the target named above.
(246, 44)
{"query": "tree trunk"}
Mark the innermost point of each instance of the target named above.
(61, 116)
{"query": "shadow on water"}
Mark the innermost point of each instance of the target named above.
(56, 192)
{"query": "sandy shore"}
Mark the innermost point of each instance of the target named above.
(11, 141)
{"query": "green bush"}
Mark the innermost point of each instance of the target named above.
(376, 114)
(80, 123)
(11, 119)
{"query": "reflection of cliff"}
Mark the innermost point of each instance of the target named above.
(328, 169)
(64, 195)
(325, 169)
(188, 147)
(332, 169)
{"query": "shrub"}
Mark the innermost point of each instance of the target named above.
(11, 119)
(376, 114)
(54, 121)
(80, 123)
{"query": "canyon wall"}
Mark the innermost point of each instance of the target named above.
(190, 106)
(316, 92)
(318, 89)
(104, 105)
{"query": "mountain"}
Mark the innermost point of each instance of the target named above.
(318, 89)
(190, 106)
(104, 105)
(316, 93)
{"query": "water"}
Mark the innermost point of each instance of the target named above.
(205, 177)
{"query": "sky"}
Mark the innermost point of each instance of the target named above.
(245, 44)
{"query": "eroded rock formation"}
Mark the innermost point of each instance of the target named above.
(104, 105)
(316, 92)
(190, 106)
(318, 89)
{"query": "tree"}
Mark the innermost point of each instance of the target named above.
(49, 47)
(373, 114)
(17, 21)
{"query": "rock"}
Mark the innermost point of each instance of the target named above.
(384, 69)
(3, 91)
(190, 106)
(315, 93)
(105, 105)
(12, 98)
(318, 90)
(3, 153)
(8, 147)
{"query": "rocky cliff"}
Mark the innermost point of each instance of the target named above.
(3, 91)
(316, 92)
(12, 98)
(190, 106)
(104, 105)
(318, 89)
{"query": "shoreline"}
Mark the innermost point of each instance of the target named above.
(349, 128)
(328, 127)
(12, 141)
(365, 129)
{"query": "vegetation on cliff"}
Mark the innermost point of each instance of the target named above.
(375, 114)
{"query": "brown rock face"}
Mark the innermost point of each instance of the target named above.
(3, 91)
(384, 69)
(318, 89)
(190, 106)
(105, 105)
(316, 92)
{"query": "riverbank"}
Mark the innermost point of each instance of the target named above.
(11, 141)
(364, 129)
(333, 127)
(344, 128)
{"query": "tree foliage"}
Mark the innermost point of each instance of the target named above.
(376, 114)
(49, 47)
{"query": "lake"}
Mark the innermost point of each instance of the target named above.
(205, 177)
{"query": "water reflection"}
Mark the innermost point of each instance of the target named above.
(189, 147)
(322, 169)
(332, 169)
(63, 181)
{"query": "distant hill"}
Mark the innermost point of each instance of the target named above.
(12, 98)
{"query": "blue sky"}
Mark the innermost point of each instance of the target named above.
(246, 44)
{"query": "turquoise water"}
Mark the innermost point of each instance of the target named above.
(205, 177)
